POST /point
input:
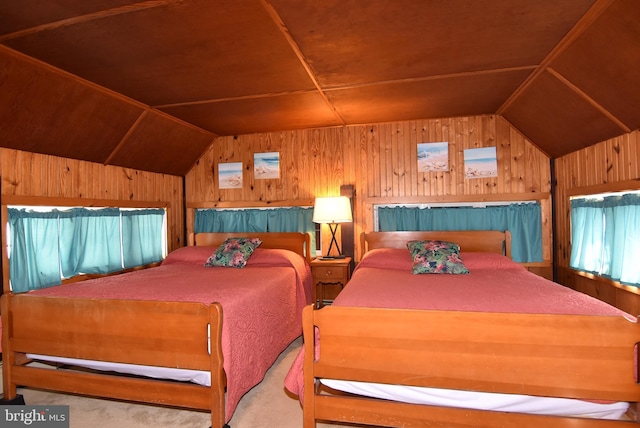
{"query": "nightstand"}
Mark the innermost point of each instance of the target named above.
(329, 278)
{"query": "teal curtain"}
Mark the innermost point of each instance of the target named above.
(141, 242)
(89, 241)
(622, 215)
(587, 235)
(285, 219)
(293, 219)
(212, 220)
(48, 246)
(524, 221)
(603, 237)
(35, 259)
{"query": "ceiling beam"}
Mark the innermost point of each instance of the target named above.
(86, 18)
(303, 61)
(581, 26)
(591, 101)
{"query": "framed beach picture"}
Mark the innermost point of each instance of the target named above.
(480, 163)
(230, 175)
(433, 157)
(266, 165)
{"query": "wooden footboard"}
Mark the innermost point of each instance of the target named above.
(166, 334)
(583, 357)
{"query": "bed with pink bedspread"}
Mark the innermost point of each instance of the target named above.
(259, 307)
(493, 347)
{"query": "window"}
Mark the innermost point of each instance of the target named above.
(605, 232)
(47, 245)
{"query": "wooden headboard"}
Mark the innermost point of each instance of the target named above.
(299, 243)
(487, 241)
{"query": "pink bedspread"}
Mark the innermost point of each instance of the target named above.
(383, 279)
(262, 304)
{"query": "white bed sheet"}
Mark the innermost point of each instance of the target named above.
(182, 375)
(483, 400)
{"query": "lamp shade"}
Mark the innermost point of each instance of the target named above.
(335, 209)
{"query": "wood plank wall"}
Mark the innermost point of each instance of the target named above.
(60, 181)
(380, 161)
(612, 165)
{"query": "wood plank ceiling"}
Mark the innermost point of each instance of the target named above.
(150, 84)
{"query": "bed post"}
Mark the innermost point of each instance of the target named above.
(9, 392)
(308, 329)
(4, 220)
(10, 395)
(507, 243)
(218, 379)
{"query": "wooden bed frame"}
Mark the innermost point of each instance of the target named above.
(488, 241)
(167, 334)
(571, 356)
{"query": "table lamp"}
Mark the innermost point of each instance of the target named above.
(331, 211)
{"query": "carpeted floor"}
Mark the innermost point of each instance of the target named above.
(266, 406)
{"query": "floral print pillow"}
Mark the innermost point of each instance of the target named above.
(436, 257)
(233, 252)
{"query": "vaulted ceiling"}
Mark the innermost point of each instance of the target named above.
(150, 84)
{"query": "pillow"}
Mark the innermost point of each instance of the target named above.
(436, 257)
(233, 252)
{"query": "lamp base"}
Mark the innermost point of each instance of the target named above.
(332, 257)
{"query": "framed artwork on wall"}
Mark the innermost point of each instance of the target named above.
(266, 165)
(480, 163)
(433, 157)
(230, 175)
